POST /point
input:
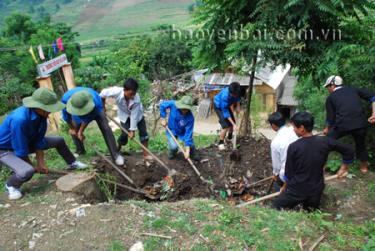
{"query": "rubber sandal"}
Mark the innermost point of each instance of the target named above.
(364, 170)
(342, 173)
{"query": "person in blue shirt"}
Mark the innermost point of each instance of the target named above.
(84, 105)
(23, 132)
(225, 103)
(181, 124)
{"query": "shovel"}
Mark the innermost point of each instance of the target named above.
(171, 172)
(189, 160)
(235, 155)
(136, 189)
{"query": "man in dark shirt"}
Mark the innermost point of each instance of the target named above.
(304, 168)
(346, 116)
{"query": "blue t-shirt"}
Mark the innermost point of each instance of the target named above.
(88, 117)
(22, 130)
(223, 100)
(181, 125)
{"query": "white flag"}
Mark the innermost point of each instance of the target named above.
(41, 53)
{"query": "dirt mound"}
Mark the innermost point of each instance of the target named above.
(229, 178)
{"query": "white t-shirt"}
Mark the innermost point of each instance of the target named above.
(132, 109)
(279, 148)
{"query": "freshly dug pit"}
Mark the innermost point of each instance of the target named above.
(230, 178)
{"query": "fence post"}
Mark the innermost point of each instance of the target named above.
(69, 76)
(53, 118)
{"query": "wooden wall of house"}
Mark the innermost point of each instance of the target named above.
(268, 96)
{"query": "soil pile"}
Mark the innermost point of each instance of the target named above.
(230, 178)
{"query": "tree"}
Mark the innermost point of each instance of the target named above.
(17, 68)
(276, 17)
(19, 27)
(353, 59)
(167, 57)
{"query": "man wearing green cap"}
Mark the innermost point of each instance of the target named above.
(181, 124)
(84, 105)
(23, 132)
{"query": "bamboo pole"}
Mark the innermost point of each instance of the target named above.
(273, 195)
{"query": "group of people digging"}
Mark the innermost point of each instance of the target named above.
(298, 156)
(23, 131)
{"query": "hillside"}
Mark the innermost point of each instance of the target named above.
(98, 19)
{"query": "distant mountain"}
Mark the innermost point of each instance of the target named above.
(101, 19)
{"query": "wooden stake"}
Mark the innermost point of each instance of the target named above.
(273, 195)
(123, 186)
(260, 181)
(317, 242)
(157, 235)
(170, 172)
(115, 167)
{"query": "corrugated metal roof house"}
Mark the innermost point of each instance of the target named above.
(275, 85)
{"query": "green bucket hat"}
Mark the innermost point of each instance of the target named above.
(45, 99)
(186, 102)
(80, 103)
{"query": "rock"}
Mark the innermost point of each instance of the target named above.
(32, 244)
(70, 200)
(53, 207)
(80, 212)
(5, 205)
(37, 236)
(338, 216)
(73, 211)
(138, 246)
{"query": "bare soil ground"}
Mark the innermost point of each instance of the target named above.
(215, 165)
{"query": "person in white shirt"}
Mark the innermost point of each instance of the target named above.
(279, 146)
(130, 112)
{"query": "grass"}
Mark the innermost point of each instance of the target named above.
(116, 246)
(207, 225)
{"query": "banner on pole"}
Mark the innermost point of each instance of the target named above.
(46, 68)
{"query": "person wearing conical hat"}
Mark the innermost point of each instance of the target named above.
(23, 132)
(181, 124)
(83, 105)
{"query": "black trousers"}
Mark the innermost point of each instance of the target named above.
(107, 133)
(289, 200)
(359, 136)
(223, 121)
(142, 129)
